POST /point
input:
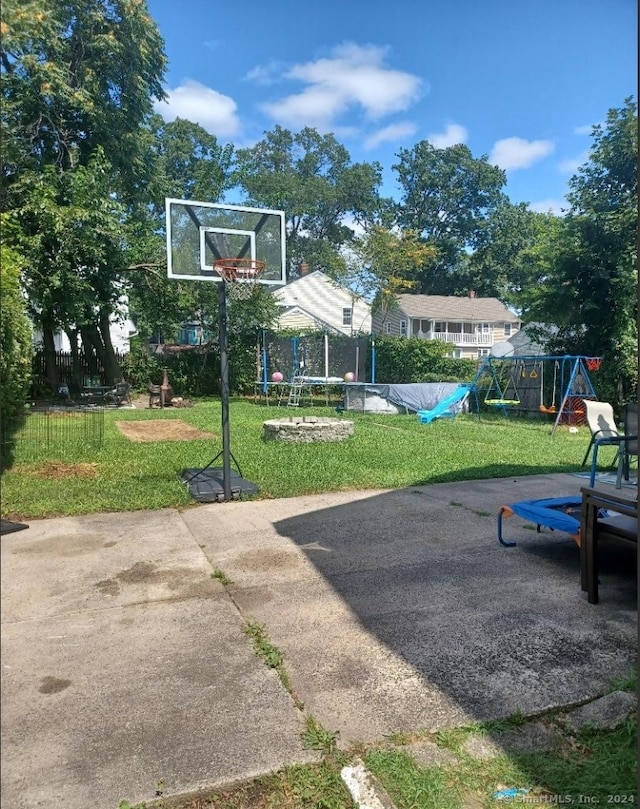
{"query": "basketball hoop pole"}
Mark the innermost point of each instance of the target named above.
(224, 392)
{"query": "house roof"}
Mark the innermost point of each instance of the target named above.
(449, 307)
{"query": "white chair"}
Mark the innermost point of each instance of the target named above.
(604, 432)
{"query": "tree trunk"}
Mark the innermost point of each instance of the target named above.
(77, 369)
(112, 370)
(93, 350)
(49, 350)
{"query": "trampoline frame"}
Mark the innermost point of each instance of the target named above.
(550, 512)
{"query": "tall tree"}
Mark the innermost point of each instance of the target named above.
(78, 81)
(380, 262)
(185, 162)
(591, 293)
(505, 261)
(447, 197)
(311, 178)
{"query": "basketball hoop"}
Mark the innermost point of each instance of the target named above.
(593, 363)
(240, 275)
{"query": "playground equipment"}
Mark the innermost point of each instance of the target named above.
(556, 513)
(520, 384)
(449, 407)
(236, 247)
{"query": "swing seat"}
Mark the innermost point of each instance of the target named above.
(503, 402)
(550, 409)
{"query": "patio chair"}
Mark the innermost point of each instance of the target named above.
(119, 394)
(628, 447)
(604, 431)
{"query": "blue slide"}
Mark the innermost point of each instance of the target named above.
(445, 408)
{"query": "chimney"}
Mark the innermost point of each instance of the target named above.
(472, 293)
(304, 269)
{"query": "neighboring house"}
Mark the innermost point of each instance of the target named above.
(121, 330)
(315, 301)
(471, 326)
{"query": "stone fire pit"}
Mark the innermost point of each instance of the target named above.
(304, 429)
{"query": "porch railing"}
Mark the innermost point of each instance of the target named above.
(459, 338)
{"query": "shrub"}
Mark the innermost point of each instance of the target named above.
(410, 359)
(16, 349)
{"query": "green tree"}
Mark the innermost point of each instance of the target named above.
(311, 178)
(380, 262)
(591, 292)
(15, 351)
(185, 162)
(504, 263)
(447, 197)
(78, 81)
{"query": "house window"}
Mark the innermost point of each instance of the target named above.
(403, 328)
(484, 352)
(486, 328)
(507, 329)
(387, 328)
(439, 327)
(347, 316)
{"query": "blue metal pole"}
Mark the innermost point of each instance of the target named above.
(265, 373)
(373, 362)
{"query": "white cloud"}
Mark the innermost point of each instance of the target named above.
(193, 101)
(583, 130)
(390, 134)
(354, 76)
(452, 135)
(554, 206)
(518, 153)
(266, 74)
(572, 164)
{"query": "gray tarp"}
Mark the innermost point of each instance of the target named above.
(396, 398)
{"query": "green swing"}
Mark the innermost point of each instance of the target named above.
(503, 400)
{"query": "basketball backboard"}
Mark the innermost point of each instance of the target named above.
(198, 233)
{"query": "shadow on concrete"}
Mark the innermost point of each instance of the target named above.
(484, 631)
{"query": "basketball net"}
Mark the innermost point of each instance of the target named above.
(240, 275)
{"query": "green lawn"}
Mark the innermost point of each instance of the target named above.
(62, 474)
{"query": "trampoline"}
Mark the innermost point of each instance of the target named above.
(556, 513)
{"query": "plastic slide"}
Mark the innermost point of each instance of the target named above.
(446, 407)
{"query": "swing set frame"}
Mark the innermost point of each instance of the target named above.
(571, 384)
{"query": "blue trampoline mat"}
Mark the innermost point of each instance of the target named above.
(556, 513)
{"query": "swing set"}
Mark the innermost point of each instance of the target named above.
(551, 385)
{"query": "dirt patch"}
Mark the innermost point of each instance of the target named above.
(58, 469)
(160, 430)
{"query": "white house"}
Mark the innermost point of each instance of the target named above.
(121, 329)
(470, 325)
(315, 301)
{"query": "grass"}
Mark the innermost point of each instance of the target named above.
(70, 477)
(587, 769)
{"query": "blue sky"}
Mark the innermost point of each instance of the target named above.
(521, 81)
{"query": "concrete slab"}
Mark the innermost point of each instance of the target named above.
(125, 664)
(108, 689)
(400, 611)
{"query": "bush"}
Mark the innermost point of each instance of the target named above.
(410, 359)
(16, 349)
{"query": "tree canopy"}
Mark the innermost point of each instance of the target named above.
(590, 292)
(447, 197)
(311, 178)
